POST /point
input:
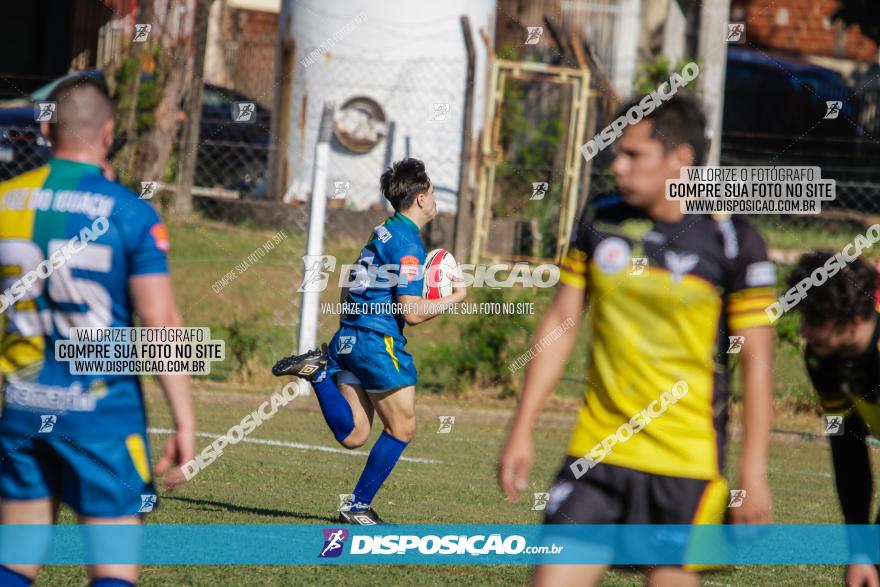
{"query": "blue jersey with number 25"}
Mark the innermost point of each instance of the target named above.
(107, 236)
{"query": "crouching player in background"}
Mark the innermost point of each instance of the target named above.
(839, 323)
(367, 369)
(665, 290)
(80, 439)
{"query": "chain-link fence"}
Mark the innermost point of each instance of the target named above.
(233, 156)
(418, 109)
(850, 161)
(22, 148)
(238, 168)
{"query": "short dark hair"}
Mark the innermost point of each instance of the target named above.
(73, 120)
(403, 181)
(845, 296)
(679, 120)
(80, 81)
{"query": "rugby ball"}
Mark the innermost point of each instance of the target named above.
(440, 266)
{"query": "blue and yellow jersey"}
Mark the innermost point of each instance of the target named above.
(84, 236)
(663, 299)
(395, 244)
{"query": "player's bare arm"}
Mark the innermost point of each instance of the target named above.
(861, 575)
(756, 360)
(153, 301)
(852, 470)
(542, 375)
(853, 477)
(855, 486)
(417, 310)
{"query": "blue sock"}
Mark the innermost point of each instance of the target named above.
(380, 463)
(334, 406)
(10, 578)
(110, 582)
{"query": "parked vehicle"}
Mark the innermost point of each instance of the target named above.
(777, 112)
(232, 154)
(774, 94)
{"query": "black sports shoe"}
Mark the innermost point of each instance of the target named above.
(307, 366)
(367, 517)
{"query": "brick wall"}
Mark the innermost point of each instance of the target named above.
(802, 26)
(250, 38)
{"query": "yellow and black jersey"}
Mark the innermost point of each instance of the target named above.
(849, 385)
(663, 299)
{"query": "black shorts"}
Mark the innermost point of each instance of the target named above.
(608, 494)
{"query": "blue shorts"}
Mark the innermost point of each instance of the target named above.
(376, 361)
(97, 478)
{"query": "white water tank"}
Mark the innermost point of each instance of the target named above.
(409, 57)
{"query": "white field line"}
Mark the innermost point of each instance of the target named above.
(803, 473)
(269, 442)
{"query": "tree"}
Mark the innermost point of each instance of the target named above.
(149, 115)
(189, 145)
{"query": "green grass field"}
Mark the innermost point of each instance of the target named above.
(257, 484)
(257, 315)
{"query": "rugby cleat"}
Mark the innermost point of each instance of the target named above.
(309, 366)
(367, 517)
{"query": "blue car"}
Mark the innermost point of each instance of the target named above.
(776, 112)
(772, 94)
(231, 155)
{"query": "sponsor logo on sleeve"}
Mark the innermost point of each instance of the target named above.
(409, 266)
(762, 273)
(159, 232)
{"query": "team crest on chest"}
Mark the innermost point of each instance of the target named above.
(612, 254)
(680, 263)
